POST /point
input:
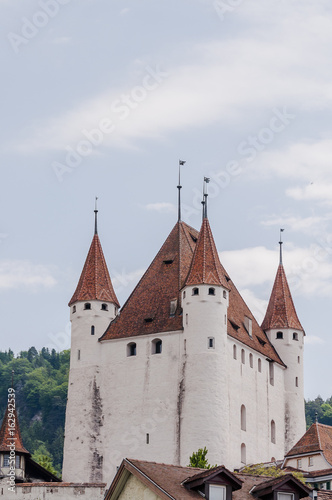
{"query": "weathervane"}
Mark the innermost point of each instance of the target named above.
(281, 243)
(96, 214)
(181, 162)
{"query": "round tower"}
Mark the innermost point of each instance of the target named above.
(285, 332)
(93, 306)
(204, 377)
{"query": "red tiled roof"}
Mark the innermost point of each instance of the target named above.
(11, 435)
(160, 284)
(281, 311)
(205, 267)
(95, 282)
(317, 438)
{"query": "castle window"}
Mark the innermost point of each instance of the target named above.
(295, 336)
(92, 330)
(271, 372)
(248, 325)
(187, 319)
(104, 307)
(156, 346)
(298, 359)
(184, 295)
(273, 431)
(243, 418)
(6, 460)
(147, 438)
(217, 492)
(74, 309)
(299, 463)
(251, 360)
(211, 342)
(296, 381)
(243, 356)
(224, 294)
(212, 291)
(259, 365)
(131, 349)
(234, 352)
(279, 335)
(195, 291)
(173, 306)
(243, 453)
(87, 306)
(79, 354)
(310, 461)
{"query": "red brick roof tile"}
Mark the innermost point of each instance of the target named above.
(317, 438)
(205, 267)
(95, 282)
(147, 310)
(10, 434)
(281, 311)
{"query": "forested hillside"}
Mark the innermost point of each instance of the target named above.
(41, 380)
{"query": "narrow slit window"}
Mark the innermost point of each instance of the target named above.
(243, 357)
(79, 354)
(259, 365)
(74, 309)
(234, 352)
(243, 418)
(211, 342)
(296, 381)
(224, 294)
(273, 432)
(243, 453)
(92, 330)
(271, 372)
(251, 360)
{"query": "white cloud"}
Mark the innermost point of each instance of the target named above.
(161, 207)
(313, 340)
(122, 280)
(256, 305)
(23, 274)
(297, 223)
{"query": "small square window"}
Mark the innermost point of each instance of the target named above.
(217, 492)
(311, 461)
(299, 463)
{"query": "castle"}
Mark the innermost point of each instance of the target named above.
(182, 365)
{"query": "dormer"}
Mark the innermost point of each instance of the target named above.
(286, 487)
(214, 484)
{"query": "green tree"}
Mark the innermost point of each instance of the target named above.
(198, 459)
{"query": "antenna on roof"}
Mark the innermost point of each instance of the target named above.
(96, 216)
(181, 162)
(205, 196)
(281, 243)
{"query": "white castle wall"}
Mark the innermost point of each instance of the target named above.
(291, 352)
(55, 491)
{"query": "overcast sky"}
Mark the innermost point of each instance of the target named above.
(102, 98)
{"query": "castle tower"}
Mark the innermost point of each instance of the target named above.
(203, 398)
(285, 332)
(93, 306)
(12, 452)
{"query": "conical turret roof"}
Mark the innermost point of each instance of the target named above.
(10, 433)
(205, 267)
(148, 309)
(281, 311)
(95, 282)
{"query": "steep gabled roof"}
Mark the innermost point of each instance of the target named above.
(281, 311)
(318, 438)
(205, 267)
(95, 282)
(148, 309)
(10, 433)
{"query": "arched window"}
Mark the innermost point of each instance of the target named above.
(251, 360)
(273, 431)
(224, 294)
(243, 453)
(92, 330)
(74, 309)
(243, 418)
(279, 335)
(259, 365)
(271, 372)
(157, 346)
(87, 305)
(296, 381)
(295, 336)
(104, 307)
(243, 356)
(234, 352)
(131, 349)
(212, 291)
(195, 291)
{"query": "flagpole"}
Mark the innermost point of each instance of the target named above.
(281, 243)
(181, 162)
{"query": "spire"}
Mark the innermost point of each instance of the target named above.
(281, 311)
(281, 243)
(95, 282)
(181, 162)
(205, 267)
(10, 435)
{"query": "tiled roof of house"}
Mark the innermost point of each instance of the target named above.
(10, 433)
(317, 438)
(281, 311)
(148, 309)
(324, 495)
(95, 282)
(205, 267)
